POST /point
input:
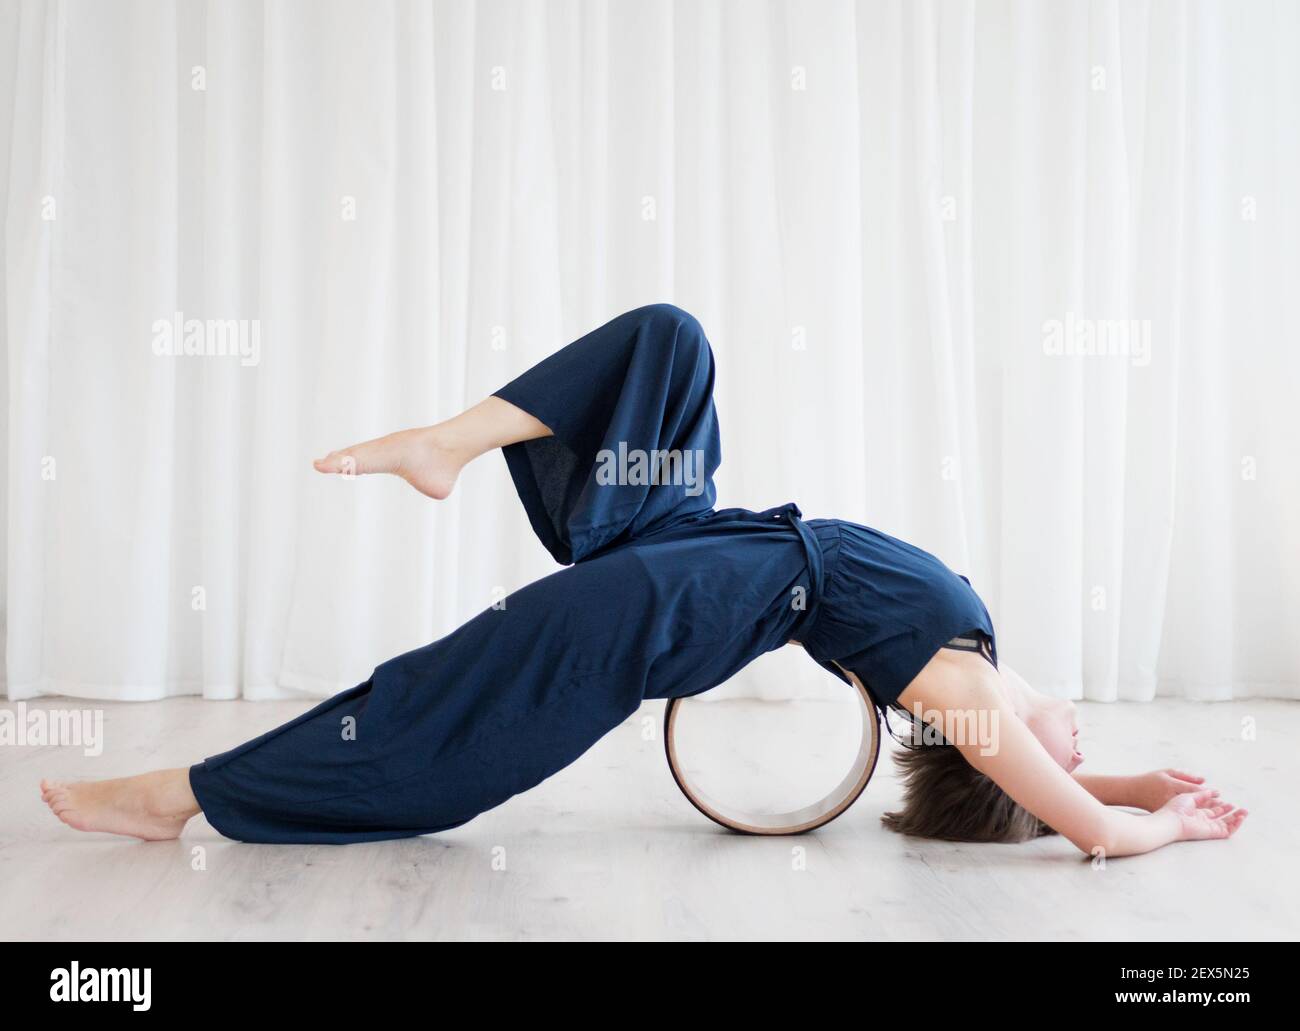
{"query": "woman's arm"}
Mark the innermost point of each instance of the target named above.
(1109, 789)
(956, 696)
(1147, 791)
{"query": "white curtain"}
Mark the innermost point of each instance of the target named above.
(903, 225)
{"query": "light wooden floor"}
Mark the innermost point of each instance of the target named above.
(610, 849)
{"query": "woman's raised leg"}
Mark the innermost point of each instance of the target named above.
(431, 457)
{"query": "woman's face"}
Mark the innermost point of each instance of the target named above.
(1053, 722)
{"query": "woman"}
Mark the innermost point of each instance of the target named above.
(612, 443)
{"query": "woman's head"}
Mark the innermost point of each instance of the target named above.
(945, 797)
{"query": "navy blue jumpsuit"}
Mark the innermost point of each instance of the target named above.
(664, 596)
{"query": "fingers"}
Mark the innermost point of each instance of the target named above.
(1209, 802)
(1223, 821)
(1190, 778)
(1227, 824)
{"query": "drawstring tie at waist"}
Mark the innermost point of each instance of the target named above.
(816, 575)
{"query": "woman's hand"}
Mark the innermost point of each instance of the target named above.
(1202, 817)
(1152, 790)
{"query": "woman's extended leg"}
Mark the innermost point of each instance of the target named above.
(431, 457)
(153, 806)
(157, 805)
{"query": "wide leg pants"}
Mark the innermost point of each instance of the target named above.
(665, 597)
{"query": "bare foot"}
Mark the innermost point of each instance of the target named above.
(152, 806)
(424, 458)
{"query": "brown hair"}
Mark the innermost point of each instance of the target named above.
(945, 797)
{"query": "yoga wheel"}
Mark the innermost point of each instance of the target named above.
(750, 818)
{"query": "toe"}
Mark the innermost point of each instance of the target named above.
(73, 818)
(346, 463)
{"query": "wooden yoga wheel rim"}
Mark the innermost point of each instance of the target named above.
(797, 821)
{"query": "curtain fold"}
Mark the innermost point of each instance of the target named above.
(1006, 279)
